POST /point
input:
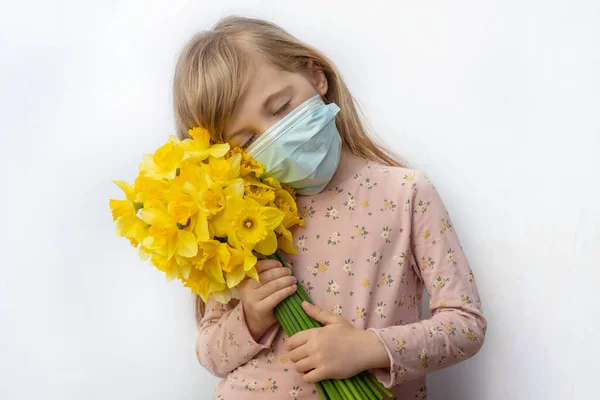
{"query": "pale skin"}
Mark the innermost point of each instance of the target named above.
(319, 353)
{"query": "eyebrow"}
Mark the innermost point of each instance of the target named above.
(265, 103)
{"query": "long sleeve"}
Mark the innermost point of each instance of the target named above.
(457, 327)
(224, 341)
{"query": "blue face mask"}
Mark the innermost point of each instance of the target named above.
(302, 149)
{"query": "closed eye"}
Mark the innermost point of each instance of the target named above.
(249, 142)
(282, 109)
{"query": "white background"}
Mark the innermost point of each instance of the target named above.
(498, 101)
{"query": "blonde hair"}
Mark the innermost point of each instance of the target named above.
(214, 67)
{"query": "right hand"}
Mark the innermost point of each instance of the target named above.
(260, 298)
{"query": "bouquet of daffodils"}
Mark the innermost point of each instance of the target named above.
(204, 213)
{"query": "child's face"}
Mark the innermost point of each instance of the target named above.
(271, 94)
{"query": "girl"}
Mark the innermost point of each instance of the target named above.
(376, 232)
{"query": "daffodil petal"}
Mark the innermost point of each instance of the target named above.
(144, 253)
(268, 245)
(273, 215)
(172, 246)
(220, 224)
(120, 208)
(285, 242)
(213, 270)
(234, 277)
(233, 239)
(219, 150)
(249, 261)
(125, 187)
(201, 229)
(185, 271)
(253, 273)
(235, 188)
(216, 287)
(223, 253)
(200, 136)
(171, 275)
(155, 216)
(223, 296)
(187, 245)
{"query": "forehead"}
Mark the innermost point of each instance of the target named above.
(264, 79)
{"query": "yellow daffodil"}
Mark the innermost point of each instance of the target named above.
(198, 282)
(199, 148)
(261, 193)
(164, 236)
(147, 189)
(165, 161)
(247, 165)
(274, 183)
(225, 295)
(286, 203)
(285, 241)
(211, 265)
(241, 264)
(121, 208)
(248, 224)
(169, 266)
(181, 206)
(221, 171)
(198, 224)
(213, 255)
(133, 228)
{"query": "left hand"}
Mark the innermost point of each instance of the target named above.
(334, 351)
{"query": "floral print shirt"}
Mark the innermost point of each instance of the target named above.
(368, 249)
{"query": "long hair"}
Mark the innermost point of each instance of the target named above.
(214, 67)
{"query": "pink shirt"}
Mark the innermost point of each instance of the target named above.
(368, 249)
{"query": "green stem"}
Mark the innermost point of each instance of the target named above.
(380, 385)
(295, 322)
(283, 321)
(299, 313)
(321, 390)
(280, 258)
(294, 328)
(302, 294)
(283, 312)
(300, 290)
(346, 388)
(332, 390)
(371, 385)
(353, 389)
(365, 387)
(343, 392)
(298, 299)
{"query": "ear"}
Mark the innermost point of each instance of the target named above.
(318, 77)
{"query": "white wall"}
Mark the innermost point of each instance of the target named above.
(497, 100)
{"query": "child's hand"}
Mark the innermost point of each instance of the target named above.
(259, 298)
(336, 351)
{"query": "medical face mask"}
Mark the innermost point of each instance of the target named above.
(302, 149)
